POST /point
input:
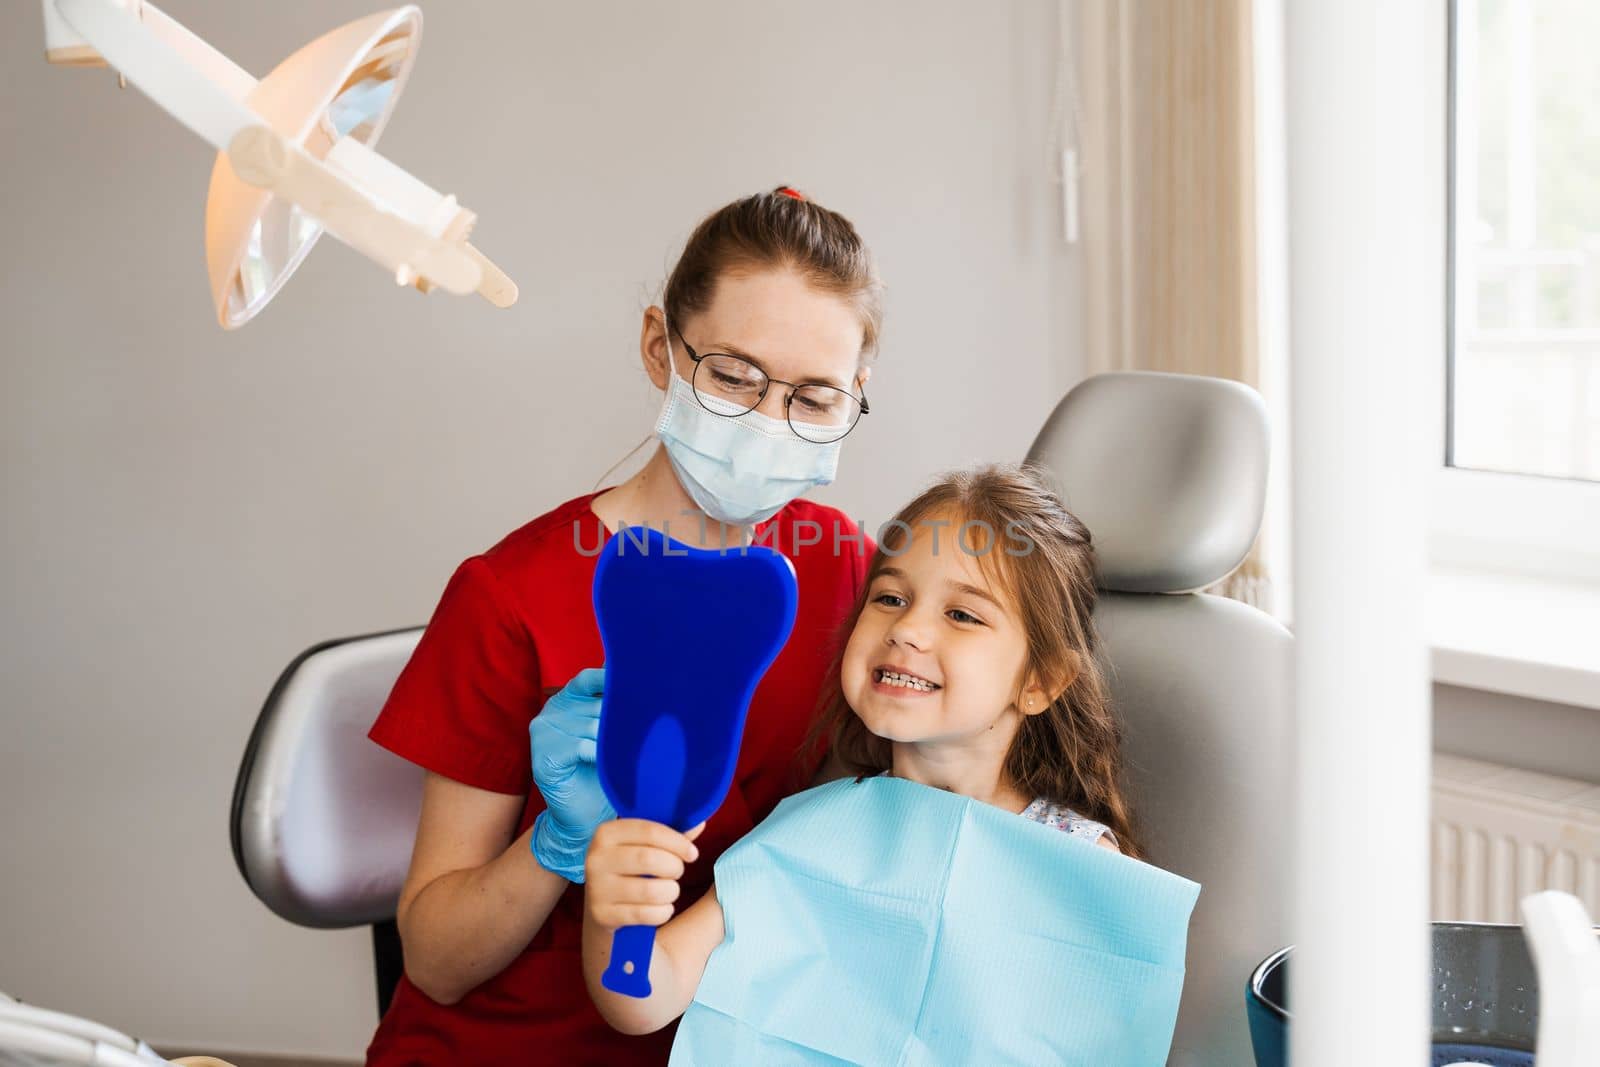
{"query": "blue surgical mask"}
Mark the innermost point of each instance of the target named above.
(742, 470)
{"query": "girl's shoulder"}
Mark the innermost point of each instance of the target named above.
(1063, 818)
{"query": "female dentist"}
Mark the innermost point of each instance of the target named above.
(769, 320)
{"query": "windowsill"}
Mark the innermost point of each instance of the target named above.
(1505, 633)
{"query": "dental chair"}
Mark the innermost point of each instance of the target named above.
(1168, 472)
(323, 820)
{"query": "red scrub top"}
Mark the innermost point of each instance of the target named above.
(519, 619)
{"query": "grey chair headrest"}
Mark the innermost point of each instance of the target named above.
(1168, 471)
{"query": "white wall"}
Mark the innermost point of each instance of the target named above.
(184, 510)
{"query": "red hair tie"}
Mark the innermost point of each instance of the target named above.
(786, 191)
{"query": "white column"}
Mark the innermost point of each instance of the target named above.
(1366, 197)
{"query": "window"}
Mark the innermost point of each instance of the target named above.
(1524, 373)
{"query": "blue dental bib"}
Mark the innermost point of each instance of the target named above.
(885, 922)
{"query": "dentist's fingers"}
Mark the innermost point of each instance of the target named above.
(578, 727)
(589, 682)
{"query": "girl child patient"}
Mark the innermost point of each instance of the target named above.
(969, 667)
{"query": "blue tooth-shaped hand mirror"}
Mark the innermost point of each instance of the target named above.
(688, 633)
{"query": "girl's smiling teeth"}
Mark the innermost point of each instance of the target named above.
(901, 680)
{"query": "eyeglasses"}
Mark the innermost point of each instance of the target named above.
(732, 386)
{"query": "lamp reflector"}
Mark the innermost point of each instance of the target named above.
(345, 83)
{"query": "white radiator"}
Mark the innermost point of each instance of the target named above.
(1500, 834)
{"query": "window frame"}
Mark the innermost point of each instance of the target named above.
(1534, 524)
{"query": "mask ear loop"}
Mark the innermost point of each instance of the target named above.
(749, 531)
(659, 418)
(672, 372)
(672, 362)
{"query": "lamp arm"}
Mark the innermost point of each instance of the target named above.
(185, 76)
(265, 159)
(368, 203)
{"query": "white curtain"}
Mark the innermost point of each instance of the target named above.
(1169, 198)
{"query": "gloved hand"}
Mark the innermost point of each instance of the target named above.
(562, 737)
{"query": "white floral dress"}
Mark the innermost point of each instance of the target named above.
(1061, 818)
(1066, 820)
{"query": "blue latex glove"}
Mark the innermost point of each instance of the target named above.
(562, 737)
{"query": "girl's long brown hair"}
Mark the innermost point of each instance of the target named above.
(1041, 557)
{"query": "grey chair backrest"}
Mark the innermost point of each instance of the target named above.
(1169, 473)
(323, 819)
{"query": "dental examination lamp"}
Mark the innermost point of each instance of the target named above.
(295, 150)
